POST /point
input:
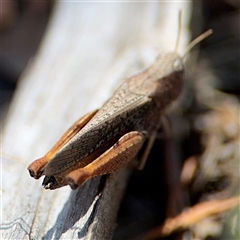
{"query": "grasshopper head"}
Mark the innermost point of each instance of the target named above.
(170, 62)
(167, 75)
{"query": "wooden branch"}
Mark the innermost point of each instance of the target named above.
(87, 48)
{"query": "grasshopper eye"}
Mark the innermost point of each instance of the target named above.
(178, 65)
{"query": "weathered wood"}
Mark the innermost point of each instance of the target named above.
(87, 48)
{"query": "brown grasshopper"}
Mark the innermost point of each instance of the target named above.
(105, 140)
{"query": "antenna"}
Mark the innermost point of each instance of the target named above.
(197, 40)
(179, 29)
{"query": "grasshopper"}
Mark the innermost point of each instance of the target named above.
(105, 140)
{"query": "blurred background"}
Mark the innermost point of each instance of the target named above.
(147, 203)
(22, 27)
